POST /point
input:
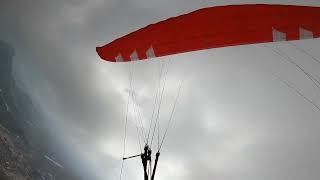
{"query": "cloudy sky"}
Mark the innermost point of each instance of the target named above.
(236, 117)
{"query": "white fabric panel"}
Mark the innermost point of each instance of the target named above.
(119, 58)
(150, 53)
(278, 35)
(305, 34)
(134, 56)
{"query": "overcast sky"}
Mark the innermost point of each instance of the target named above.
(235, 118)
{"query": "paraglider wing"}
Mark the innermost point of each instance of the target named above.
(215, 27)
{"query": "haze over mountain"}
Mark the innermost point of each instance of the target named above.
(26, 150)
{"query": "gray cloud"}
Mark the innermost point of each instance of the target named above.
(234, 120)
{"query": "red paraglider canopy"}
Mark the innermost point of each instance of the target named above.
(216, 27)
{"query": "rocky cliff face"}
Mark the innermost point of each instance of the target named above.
(14, 156)
(6, 54)
(24, 152)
